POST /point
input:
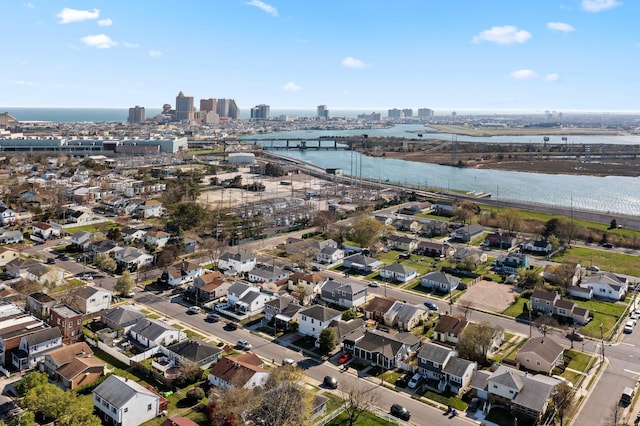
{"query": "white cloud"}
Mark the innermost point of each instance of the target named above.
(291, 87)
(507, 34)
(130, 45)
(351, 62)
(19, 83)
(30, 5)
(264, 7)
(155, 53)
(599, 5)
(105, 22)
(67, 15)
(552, 77)
(101, 41)
(523, 74)
(560, 26)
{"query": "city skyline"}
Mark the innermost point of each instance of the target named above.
(576, 55)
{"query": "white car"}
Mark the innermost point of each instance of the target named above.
(87, 276)
(243, 344)
(413, 383)
(194, 310)
(374, 284)
(628, 327)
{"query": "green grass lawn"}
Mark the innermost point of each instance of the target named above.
(606, 260)
(365, 419)
(572, 376)
(93, 227)
(516, 308)
(450, 401)
(592, 329)
(607, 308)
(579, 361)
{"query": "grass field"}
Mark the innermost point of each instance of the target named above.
(365, 419)
(606, 260)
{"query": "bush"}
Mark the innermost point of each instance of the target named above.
(195, 394)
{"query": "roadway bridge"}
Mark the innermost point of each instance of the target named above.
(276, 144)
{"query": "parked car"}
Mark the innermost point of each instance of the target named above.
(607, 245)
(593, 269)
(194, 310)
(231, 326)
(374, 284)
(87, 276)
(576, 337)
(288, 361)
(344, 358)
(474, 405)
(213, 317)
(403, 380)
(432, 306)
(415, 380)
(400, 412)
(330, 382)
(51, 261)
(244, 345)
(628, 327)
(130, 294)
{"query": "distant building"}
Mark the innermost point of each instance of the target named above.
(136, 114)
(407, 112)
(227, 108)
(208, 111)
(323, 112)
(394, 113)
(425, 113)
(184, 107)
(260, 112)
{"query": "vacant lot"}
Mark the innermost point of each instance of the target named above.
(490, 296)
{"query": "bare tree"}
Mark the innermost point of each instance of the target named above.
(357, 400)
(562, 398)
(510, 219)
(544, 324)
(232, 407)
(614, 416)
(467, 306)
(477, 339)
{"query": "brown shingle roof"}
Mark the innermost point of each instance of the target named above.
(66, 354)
(453, 324)
(236, 371)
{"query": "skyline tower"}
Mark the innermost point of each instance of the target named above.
(136, 115)
(228, 108)
(323, 112)
(184, 107)
(261, 112)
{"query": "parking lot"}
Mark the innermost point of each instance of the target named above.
(490, 296)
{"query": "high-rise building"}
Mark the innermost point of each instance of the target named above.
(261, 112)
(184, 107)
(425, 113)
(227, 108)
(136, 114)
(394, 113)
(207, 105)
(323, 112)
(407, 112)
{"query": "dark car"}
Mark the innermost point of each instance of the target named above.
(330, 382)
(403, 380)
(607, 245)
(576, 337)
(432, 306)
(400, 412)
(474, 405)
(231, 326)
(51, 261)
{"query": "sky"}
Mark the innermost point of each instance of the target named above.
(500, 55)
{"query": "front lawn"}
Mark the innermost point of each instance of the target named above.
(592, 329)
(517, 308)
(606, 260)
(449, 401)
(365, 419)
(578, 361)
(607, 308)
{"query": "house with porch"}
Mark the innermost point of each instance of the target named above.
(246, 298)
(346, 295)
(330, 255)
(443, 369)
(439, 281)
(282, 310)
(398, 272)
(237, 262)
(403, 242)
(132, 258)
(449, 329)
(606, 285)
(314, 319)
(242, 371)
(183, 272)
(512, 262)
(34, 346)
(209, 287)
(551, 303)
(384, 349)
(435, 249)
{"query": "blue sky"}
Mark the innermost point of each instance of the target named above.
(528, 55)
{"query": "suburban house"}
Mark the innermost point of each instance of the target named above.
(565, 273)
(384, 219)
(606, 285)
(435, 249)
(346, 295)
(81, 216)
(306, 286)
(149, 209)
(39, 305)
(132, 258)
(209, 287)
(377, 307)
(403, 242)
(361, 263)
(7, 255)
(449, 329)
(68, 320)
(103, 247)
(82, 240)
(439, 281)
(405, 316)
(470, 254)
(408, 225)
(513, 261)
(157, 238)
(502, 240)
(183, 272)
(237, 262)
(443, 370)
(150, 333)
(432, 228)
(14, 325)
(383, 349)
(536, 246)
(89, 299)
(494, 345)
(444, 208)
(540, 354)
(246, 298)
(266, 274)
(44, 230)
(7, 216)
(468, 232)
(123, 402)
(330, 255)
(551, 304)
(527, 394)
(282, 310)
(130, 234)
(398, 272)
(314, 319)
(123, 317)
(196, 351)
(309, 246)
(580, 293)
(347, 329)
(73, 366)
(11, 237)
(242, 371)
(18, 267)
(33, 347)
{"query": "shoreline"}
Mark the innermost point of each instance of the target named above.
(520, 131)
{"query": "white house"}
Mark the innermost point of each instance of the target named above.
(243, 371)
(398, 272)
(606, 285)
(346, 295)
(150, 208)
(183, 272)
(34, 346)
(91, 299)
(246, 298)
(44, 230)
(131, 257)
(123, 402)
(157, 238)
(330, 255)
(439, 281)
(7, 216)
(266, 274)
(150, 333)
(316, 318)
(82, 240)
(131, 234)
(237, 262)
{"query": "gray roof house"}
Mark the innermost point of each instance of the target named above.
(314, 319)
(362, 263)
(443, 369)
(346, 295)
(121, 317)
(381, 348)
(398, 272)
(124, 402)
(439, 281)
(149, 333)
(405, 316)
(34, 346)
(196, 351)
(266, 274)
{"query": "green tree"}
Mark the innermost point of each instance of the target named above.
(562, 398)
(105, 262)
(78, 414)
(47, 401)
(476, 340)
(27, 418)
(187, 216)
(125, 283)
(348, 315)
(552, 227)
(510, 219)
(30, 381)
(327, 340)
(195, 394)
(272, 169)
(365, 231)
(530, 278)
(114, 234)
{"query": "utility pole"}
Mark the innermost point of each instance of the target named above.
(602, 341)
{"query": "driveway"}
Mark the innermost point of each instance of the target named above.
(490, 296)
